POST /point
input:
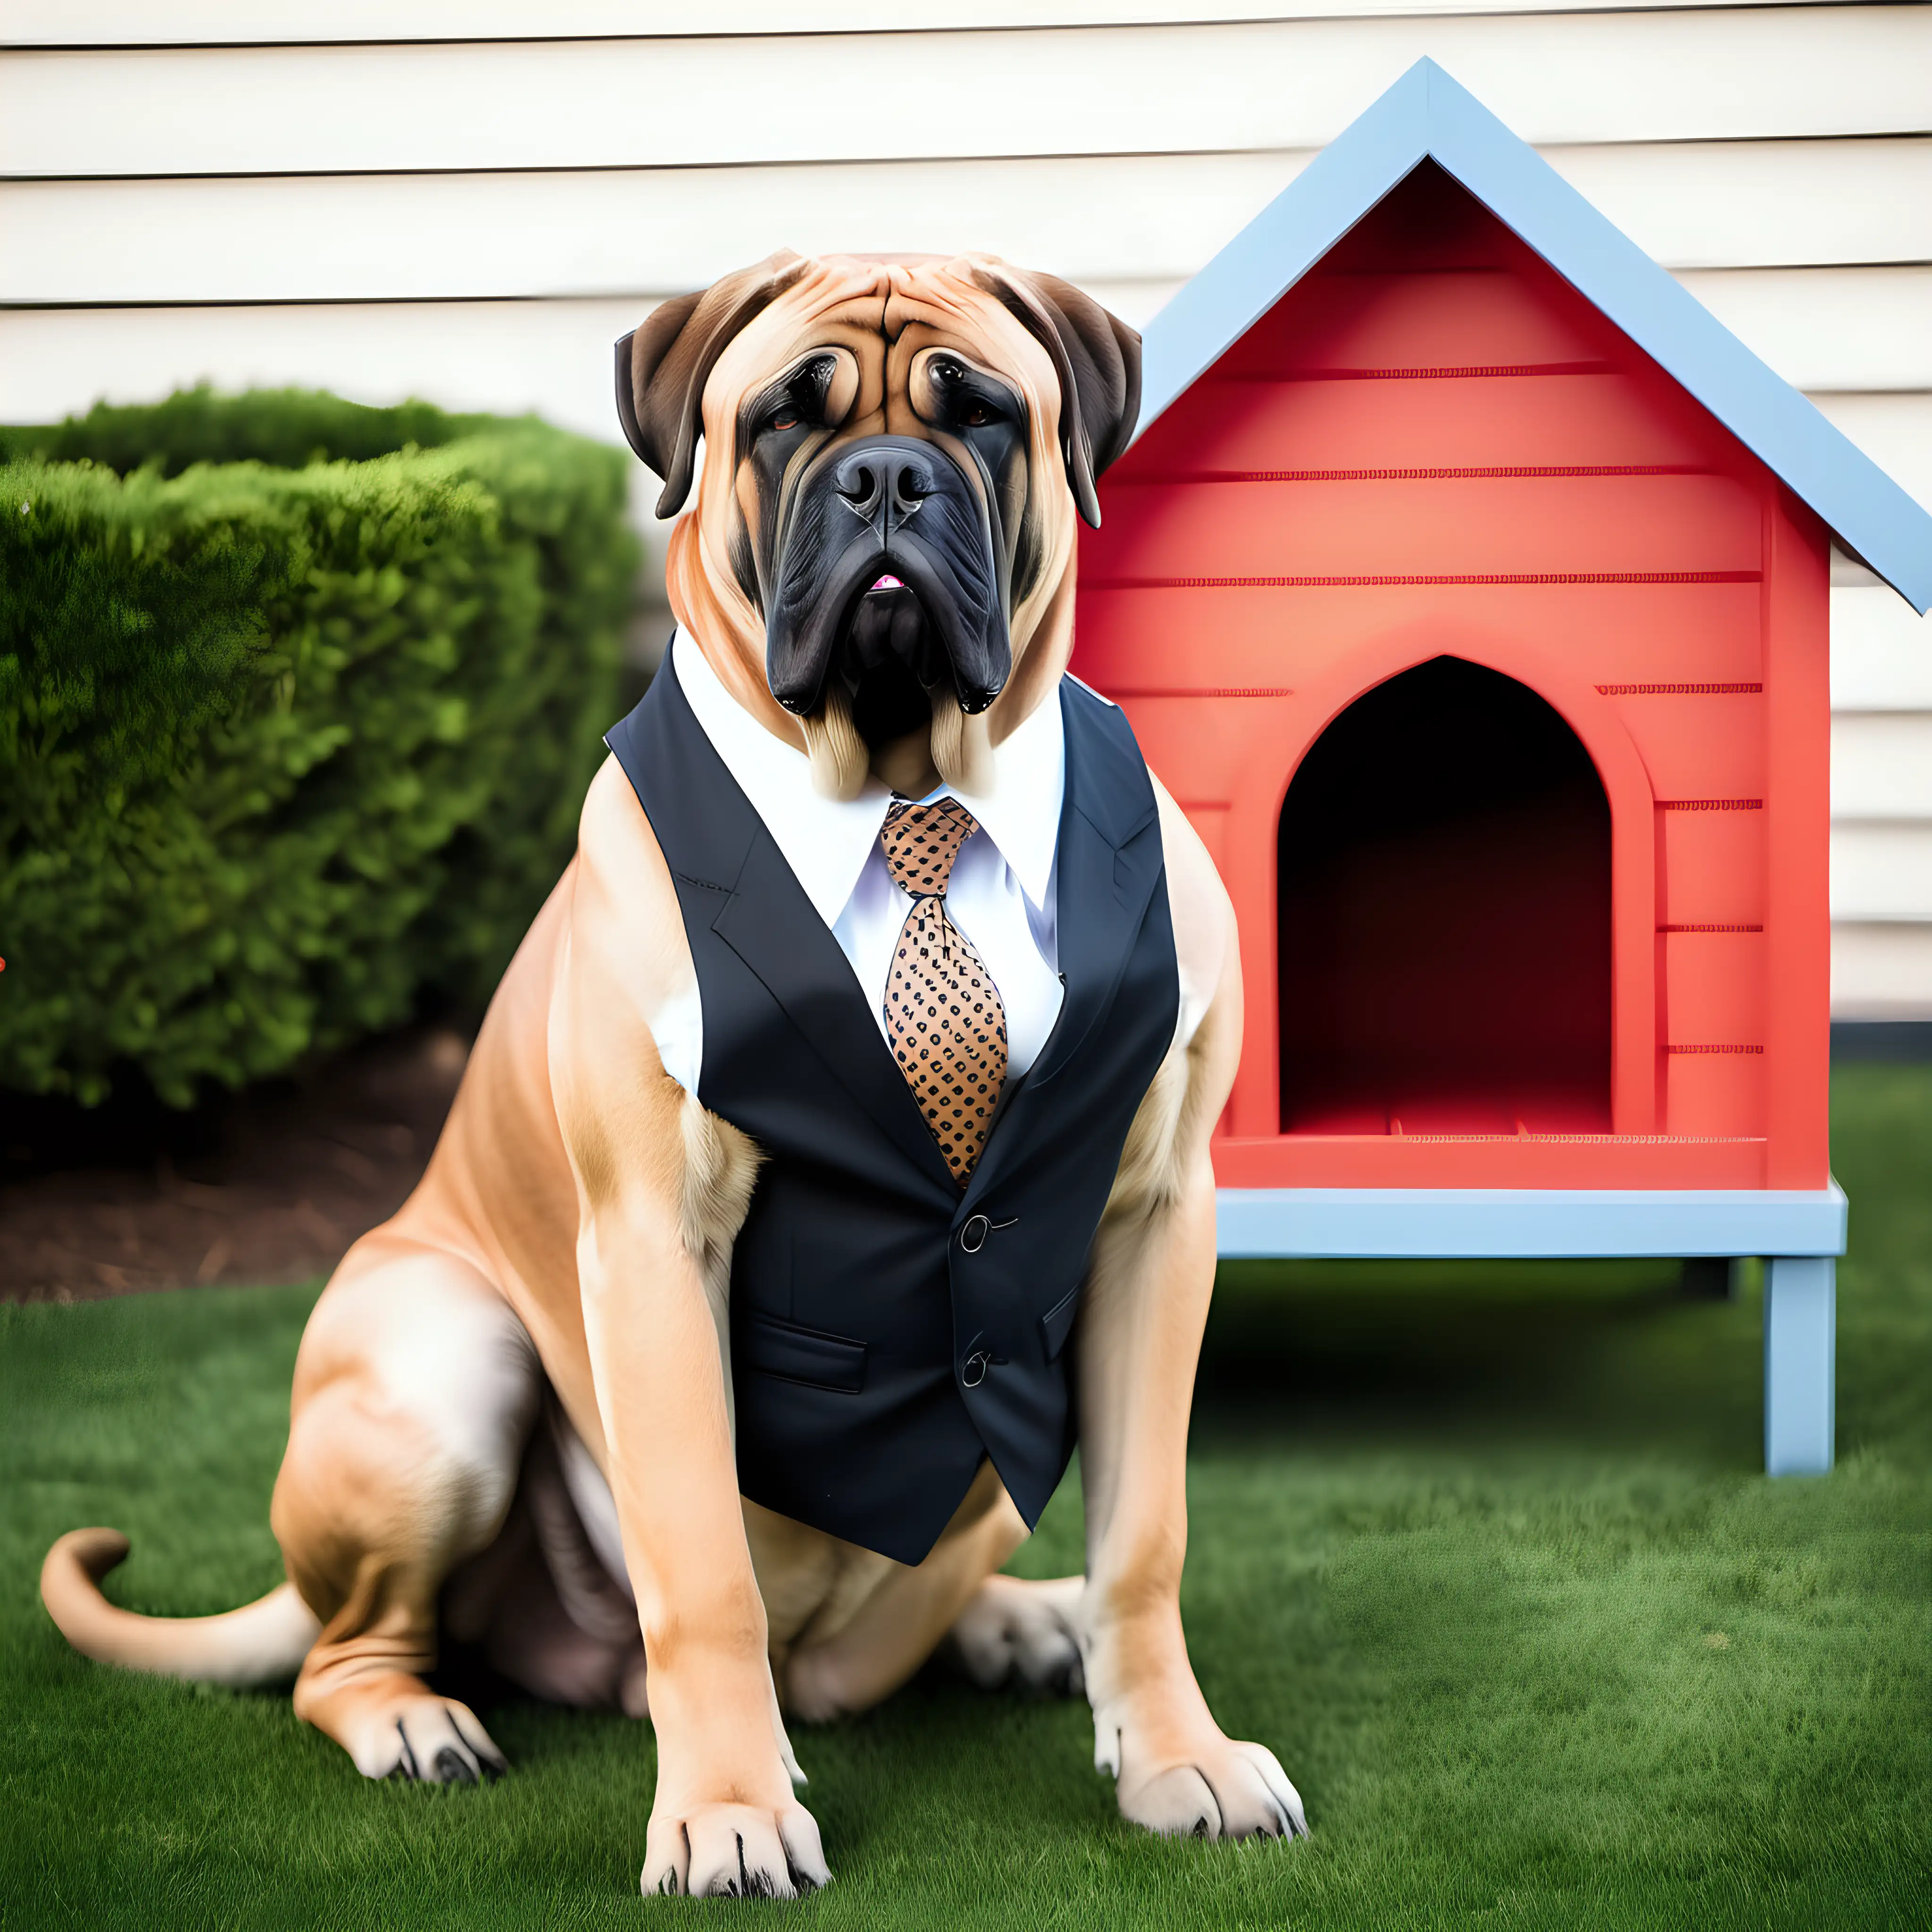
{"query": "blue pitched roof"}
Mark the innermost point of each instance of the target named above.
(1426, 115)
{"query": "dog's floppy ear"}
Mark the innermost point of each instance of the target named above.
(1098, 358)
(662, 367)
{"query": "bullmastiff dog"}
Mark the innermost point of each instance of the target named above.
(558, 1407)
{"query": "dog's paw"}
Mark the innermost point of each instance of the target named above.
(1213, 1787)
(431, 1740)
(1012, 1630)
(734, 1851)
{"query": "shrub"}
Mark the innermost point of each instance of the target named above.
(283, 748)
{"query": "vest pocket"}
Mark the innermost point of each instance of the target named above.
(799, 1354)
(1055, 1323)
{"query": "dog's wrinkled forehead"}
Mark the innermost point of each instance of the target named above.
(874, 319)
(686, 371)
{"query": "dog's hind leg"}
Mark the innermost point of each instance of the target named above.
(906, 1617)
(1012, 1631)
(415, 1391)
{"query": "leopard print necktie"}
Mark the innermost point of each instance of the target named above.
(943, 1012)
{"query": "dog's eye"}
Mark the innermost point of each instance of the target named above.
(975, 414)
(785, 419)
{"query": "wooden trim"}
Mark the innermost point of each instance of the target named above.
(1427, 113)
(1796, 607)
(1254, 819)
(1486, 1222)
(1491, 1160)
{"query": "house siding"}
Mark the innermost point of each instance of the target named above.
(470, 203)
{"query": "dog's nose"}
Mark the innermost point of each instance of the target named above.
(885, 482)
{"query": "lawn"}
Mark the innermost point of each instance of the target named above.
(1484, 1553)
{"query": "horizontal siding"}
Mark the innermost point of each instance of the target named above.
(1729, 205)
(1714, 868)
(1499, 422)
(1828, 328)
(556, 356)
(1738, 204)
(1532, 526)
(1880, 760)
(1881, 972)
(1881, 803)
(653, 232)
(1704, 745)
(1776, 157)
(141, 23)
(1715, 997)
(1201, 640)
(1680, 75)
(1374, 323)
(1881, 648)
(1881, 872)
(553, 357)
(1713, 1093)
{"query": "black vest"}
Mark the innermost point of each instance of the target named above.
(889, 1332)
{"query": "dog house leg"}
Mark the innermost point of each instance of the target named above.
(1800, 1346)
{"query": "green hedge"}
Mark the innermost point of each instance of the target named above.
(285, 743)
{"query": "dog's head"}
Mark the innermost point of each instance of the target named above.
(882, 548)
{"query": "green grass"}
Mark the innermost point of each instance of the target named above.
(1483, 1553)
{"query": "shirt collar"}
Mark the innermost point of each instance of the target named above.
(826, 842)
(1020, 814)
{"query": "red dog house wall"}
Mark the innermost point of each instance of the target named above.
(1468, 586)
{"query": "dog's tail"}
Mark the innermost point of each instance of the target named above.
(259, 1643)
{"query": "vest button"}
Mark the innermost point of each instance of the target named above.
(973, 1370)
(973, 1236)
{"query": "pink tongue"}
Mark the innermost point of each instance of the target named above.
(889, 582)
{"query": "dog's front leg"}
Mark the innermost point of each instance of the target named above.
(654, 1207)
(723, 1819)
(1138, 1343)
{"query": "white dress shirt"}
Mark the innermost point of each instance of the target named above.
(1000, 895)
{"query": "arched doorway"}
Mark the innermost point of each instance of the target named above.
(1444, 937)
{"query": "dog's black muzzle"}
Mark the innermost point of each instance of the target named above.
(890, 578)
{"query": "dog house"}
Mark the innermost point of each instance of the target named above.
(1468, 586)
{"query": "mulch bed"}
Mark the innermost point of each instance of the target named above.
(271, 1185)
